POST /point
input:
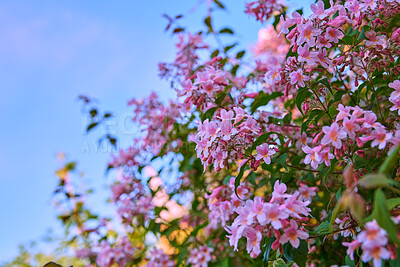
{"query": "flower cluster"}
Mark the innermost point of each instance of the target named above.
(226, 138)
(199, 257)
(223, 202)
(281, 216)
(351, 124)
(207, 84)
(159, 258)
(373, 242)
(131, 199)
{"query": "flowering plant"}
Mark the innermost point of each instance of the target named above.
(288, 156)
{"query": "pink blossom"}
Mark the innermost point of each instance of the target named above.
(333, 34)
(318, 9)
(253, 241)
(265, 152)
(327, 156)
(380, 138)
(298, 77)
(274, 215)
(373, 235)
(307, 33)
(350, 126)
(305, 55)
(352, 246)
(333, 135)
(312, 156)
(293, 234)
(279, 191)
(377, 253)
(343, 112)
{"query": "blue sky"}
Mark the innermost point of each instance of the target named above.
(53, 51)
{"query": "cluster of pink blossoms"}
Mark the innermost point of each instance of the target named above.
(186, 58)
(199, 257)
(373, 242)
(281, 216)
(352, 123)
(395, 96)
(119, 254)
(131, 199)
(226, 137)
(155, 120)
(207, 84)
(159, 258)
(223, 202)
(263, 9)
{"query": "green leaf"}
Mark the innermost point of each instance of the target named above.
(222, 263)
(240, 54)
(91, 126)
(334, 161)
(226, 30)
(262, 99)
(252, 178)
(349, 262)
(229, 47)
(209, 113)
(392, 203)
(302, 95)
(281, 160)
(261, 139)
(298, 255)
(325, 82)
(375, 180)
(362, 35)
(237, 179)
(390, 161)
(315, 114)
(268, 248)
(214, 53)
(323, 229)
(182, 255)
(207, 21)
(278, 263)
(382, 216)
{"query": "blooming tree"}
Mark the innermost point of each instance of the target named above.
(286, 154)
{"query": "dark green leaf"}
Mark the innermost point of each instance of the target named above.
(382, 216)
(262, 99)
(226, 30)
(91, 126)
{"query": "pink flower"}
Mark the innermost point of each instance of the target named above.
(322, 58)
(253, 241)
(318, 9)
(350, 126)
(307, 33)
(377, 253)
(312, 156)
(305, 55)
(373, 39)
(279, 191)
(274, 215)
(352, 246)
(373, 235)
(265, 152)
(326, 156)
(343, 112)
(380, 137)
(333, 34)
(333, 135)
(395, 85)
(369, 120)
(293, 235)
(298, 77)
